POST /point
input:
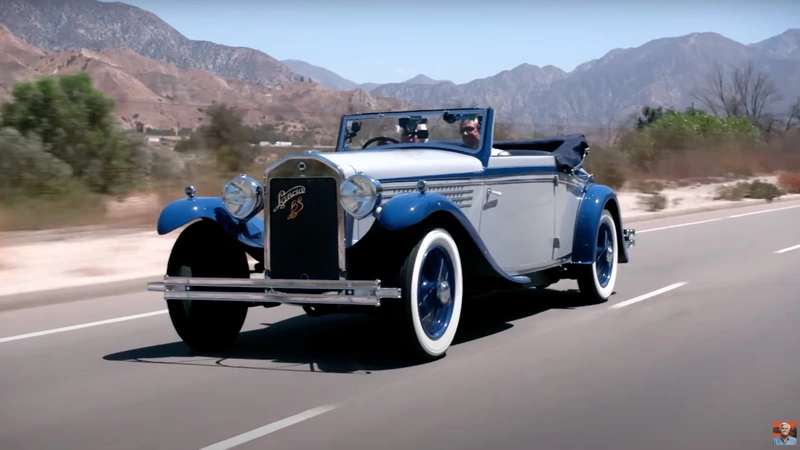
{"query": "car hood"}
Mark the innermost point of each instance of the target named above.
(403, 163)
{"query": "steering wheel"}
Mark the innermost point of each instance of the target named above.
(379, 138)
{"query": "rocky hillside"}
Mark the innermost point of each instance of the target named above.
(323, 76)
(58, 25)
(599, 93)
(332, 80)
(609, 89)
(785, 45)
(161, 96)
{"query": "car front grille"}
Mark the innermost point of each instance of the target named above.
(303, 228)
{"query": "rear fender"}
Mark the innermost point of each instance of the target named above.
(596, 199)
(181, 212)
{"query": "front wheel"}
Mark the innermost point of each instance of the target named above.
(432, 284)
(202, 250)
(596, 282)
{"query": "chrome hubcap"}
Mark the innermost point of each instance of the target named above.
(443, 292)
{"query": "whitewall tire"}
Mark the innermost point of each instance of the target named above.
(597, 281)
(432, 282)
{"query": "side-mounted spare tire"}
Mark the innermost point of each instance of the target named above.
(204, 250)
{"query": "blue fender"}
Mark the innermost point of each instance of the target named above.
(180, 212)
(407, 210)
(596, 198)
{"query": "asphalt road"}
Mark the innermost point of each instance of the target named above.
(710, 363)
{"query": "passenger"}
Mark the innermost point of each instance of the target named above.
(471, 133)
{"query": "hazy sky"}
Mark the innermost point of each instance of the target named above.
(393, 40)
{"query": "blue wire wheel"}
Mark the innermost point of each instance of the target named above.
(436, 292)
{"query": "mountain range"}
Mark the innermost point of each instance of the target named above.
(600, 92)
(154, 94)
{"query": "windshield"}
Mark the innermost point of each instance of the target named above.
(462, 129)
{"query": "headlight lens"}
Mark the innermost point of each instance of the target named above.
(243, 197)
(360, 195)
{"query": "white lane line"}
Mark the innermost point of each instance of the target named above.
(787, 249)
(271, 428)
(83, 325)
(717, 219)
(649, 295)
(679, 225)
(764, 211)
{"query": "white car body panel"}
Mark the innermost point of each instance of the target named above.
(518, 227)
(518, 217)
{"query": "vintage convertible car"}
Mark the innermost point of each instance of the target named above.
(413, 212)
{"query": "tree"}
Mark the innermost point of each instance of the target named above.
(228, 138)
(26, 169)
(746, 93)
(75, 123)
(673, 131)
(794, 114)
(648, 116)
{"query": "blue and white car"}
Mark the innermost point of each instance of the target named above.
(413, 212)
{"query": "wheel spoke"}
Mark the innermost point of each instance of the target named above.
(601, 251)
(425, 301)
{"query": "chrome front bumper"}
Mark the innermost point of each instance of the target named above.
(257, 290)
(629, 237)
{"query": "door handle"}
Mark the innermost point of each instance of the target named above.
(489, 192)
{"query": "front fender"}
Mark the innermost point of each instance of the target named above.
(181, 212)
(407, 210)
(596, 198)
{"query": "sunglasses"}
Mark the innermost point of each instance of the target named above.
(468, 129)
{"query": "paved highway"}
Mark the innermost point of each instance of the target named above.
(698, 348)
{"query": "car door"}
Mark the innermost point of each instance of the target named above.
(518, 213)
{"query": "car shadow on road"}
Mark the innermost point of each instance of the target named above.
(354, 344)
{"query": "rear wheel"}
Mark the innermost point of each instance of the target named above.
(203, 250)
(596, 282)
(432, 285)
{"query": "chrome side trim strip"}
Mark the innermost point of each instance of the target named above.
(458, 192)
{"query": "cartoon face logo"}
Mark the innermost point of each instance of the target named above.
(295, 208)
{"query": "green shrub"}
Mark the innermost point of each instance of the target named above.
(75, 124)
(26, 169)
(755, 190)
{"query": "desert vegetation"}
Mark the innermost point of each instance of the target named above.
(65, 160)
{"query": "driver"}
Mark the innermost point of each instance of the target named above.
(470, 133)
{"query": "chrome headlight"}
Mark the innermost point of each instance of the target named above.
(360, 195)
(243, 197)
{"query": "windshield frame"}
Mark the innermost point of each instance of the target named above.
(485, 129)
